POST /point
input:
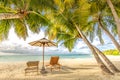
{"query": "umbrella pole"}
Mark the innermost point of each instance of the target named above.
(43, 68)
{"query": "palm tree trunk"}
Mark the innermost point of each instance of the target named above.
(109, 63)
(109, 34)
(10, 16)
(115, 16)
(99, 61)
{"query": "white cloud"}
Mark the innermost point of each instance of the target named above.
(14, 39)
(15, 43)
(80, 44)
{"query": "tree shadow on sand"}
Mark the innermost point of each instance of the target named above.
(68, 70)
(81, 67)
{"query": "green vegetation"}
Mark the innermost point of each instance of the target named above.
(111, 52)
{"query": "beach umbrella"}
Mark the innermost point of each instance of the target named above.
(42, 43)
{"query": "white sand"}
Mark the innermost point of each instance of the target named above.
(72, 69)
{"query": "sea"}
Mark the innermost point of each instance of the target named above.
(13, 58)
(25, 54)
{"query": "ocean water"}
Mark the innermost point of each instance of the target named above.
(11, 58)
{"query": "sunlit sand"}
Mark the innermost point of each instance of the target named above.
(72, 69)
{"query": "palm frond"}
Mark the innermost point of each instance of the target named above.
(35, 21)
(20, 29)
(68, 40)
(4, 29)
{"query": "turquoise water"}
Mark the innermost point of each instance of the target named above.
(27, 54)
(6, 58)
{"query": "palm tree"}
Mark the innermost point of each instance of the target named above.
(100, 62)
(68, 21)
(99, 16)
(109, 63)
(109, 34)
(23, 13)
(98, 19)
(98, 10)
(115, 15)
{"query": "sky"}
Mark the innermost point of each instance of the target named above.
(14, 43)
(14, 39)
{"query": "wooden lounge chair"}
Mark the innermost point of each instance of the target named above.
(32, 66)
(54, 63)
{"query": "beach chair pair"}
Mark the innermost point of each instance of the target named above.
(33, 66)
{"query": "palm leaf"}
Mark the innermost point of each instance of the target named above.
(20, 29)
(35, 21)
(4, 29)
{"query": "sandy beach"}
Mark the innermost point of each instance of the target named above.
(72, 69)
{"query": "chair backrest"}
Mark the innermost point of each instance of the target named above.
(32, 63)
(54, 60)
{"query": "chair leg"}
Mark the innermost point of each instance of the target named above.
(25, 72)
(37, 72)
(51, 69)
(59, 68)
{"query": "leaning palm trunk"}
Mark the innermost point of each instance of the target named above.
(109, 34)
(10, 16)
(116, 18)
(109, 63)
(99, 61)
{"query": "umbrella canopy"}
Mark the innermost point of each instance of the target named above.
(43, 43)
